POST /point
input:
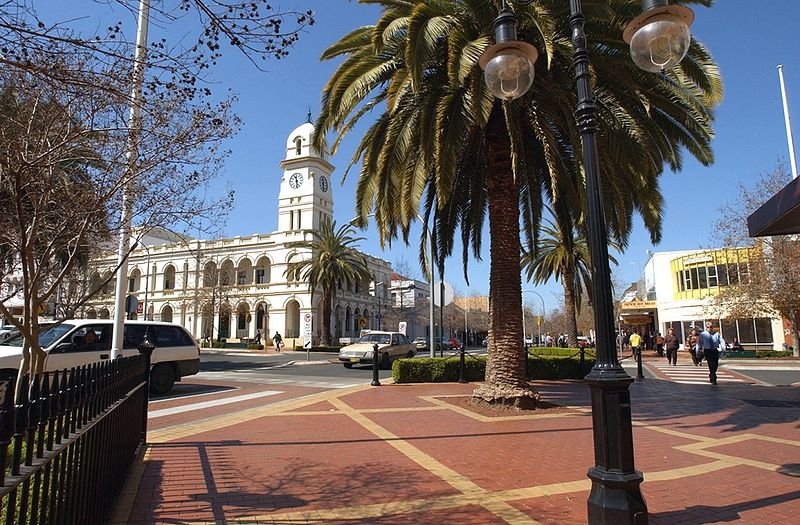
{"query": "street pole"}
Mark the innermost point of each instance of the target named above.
(134, 131)
(431, 332)
(615, 496)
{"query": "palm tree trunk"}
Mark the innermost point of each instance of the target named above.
(505, 381)
(569, 308)
(327, 302)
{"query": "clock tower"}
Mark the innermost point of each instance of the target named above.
(305, 195)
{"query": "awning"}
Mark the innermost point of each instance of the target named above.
(778, 216)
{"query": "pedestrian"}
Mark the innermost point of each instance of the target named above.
(735, 345)
(671, 344)
(277, 340)
(660, 344)
(636, 345)
(691, 346)
(257, 339)
(709, 342)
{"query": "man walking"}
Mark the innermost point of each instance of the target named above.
(709, 341)
(636, 345)
(671, 343)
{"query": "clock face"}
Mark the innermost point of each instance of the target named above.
(323, 183)
(296, 180)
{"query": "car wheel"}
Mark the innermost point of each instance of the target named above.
(386, 363)
(162, 377)
(410, 354)
(348, 365)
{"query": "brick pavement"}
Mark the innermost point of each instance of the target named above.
(401, 454)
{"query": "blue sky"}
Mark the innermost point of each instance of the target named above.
(747, 42)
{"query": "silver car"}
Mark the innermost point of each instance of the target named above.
(391, 346)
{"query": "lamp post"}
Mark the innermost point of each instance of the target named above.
(146, 275)
(659, 39)
(380, 318)
(544, 313)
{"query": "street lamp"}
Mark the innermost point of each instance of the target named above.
(380, 318)
(544, 314)
(659, 39)
(146, 275)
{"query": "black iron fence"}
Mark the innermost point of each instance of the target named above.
(68, 441)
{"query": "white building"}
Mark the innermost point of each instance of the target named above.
(676, 288)
(231, 288)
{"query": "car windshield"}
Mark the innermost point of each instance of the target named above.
(46, 337)
(381, 339)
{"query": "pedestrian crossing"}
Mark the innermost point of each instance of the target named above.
(693, 375)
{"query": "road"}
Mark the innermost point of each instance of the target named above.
(231, 381)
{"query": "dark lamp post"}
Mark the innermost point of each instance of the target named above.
(508, 65)
(615, 497)
(659, 37)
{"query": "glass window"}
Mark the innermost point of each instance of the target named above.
(729, 329)
(722, 274)
(260, 277)
(695, 279)
(687, 279)
(712, 277)
(170, 336)
(241, 277)
(744, 273)
(701, 271)
(131, 284)
(763, 330)
(747, 333)
(169, 277)
(133, 336)
(677, 327)
(733, 274)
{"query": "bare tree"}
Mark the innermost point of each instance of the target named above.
(770, 283)
(63, 167)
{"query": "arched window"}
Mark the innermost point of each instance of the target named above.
(166, 314)
(169, 277)
(298, 146)
(210, 275)
(244, 273)
(226, 273)
(263, 270)
(348, 320)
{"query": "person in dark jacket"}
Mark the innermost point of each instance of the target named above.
(671, 344)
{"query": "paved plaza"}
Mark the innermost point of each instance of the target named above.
(403, 454)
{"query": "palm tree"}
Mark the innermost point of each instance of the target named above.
(333, 260)
(441, 142)
(563, 252)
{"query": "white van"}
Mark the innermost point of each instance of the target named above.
(176, 353)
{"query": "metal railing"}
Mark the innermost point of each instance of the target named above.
(69, 440)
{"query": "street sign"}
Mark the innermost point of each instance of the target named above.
(307, 319)
(401, 327)
(449, 293)
(539, 320)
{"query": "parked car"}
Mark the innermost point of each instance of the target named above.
(70, 344)
(485, 341)
(391, 346)
(421, 343)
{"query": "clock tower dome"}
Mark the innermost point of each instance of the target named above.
(305, 197)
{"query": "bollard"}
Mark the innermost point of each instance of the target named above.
(582, 361)
(462, 366)
(639, 373)
(375, 380)
(146, 348)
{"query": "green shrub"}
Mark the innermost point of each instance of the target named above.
(443, 370)
(253, 346)
(773, 353)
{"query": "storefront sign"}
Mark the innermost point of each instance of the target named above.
(637, 305)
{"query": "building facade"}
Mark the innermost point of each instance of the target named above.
(676, 290)
(233, 288)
